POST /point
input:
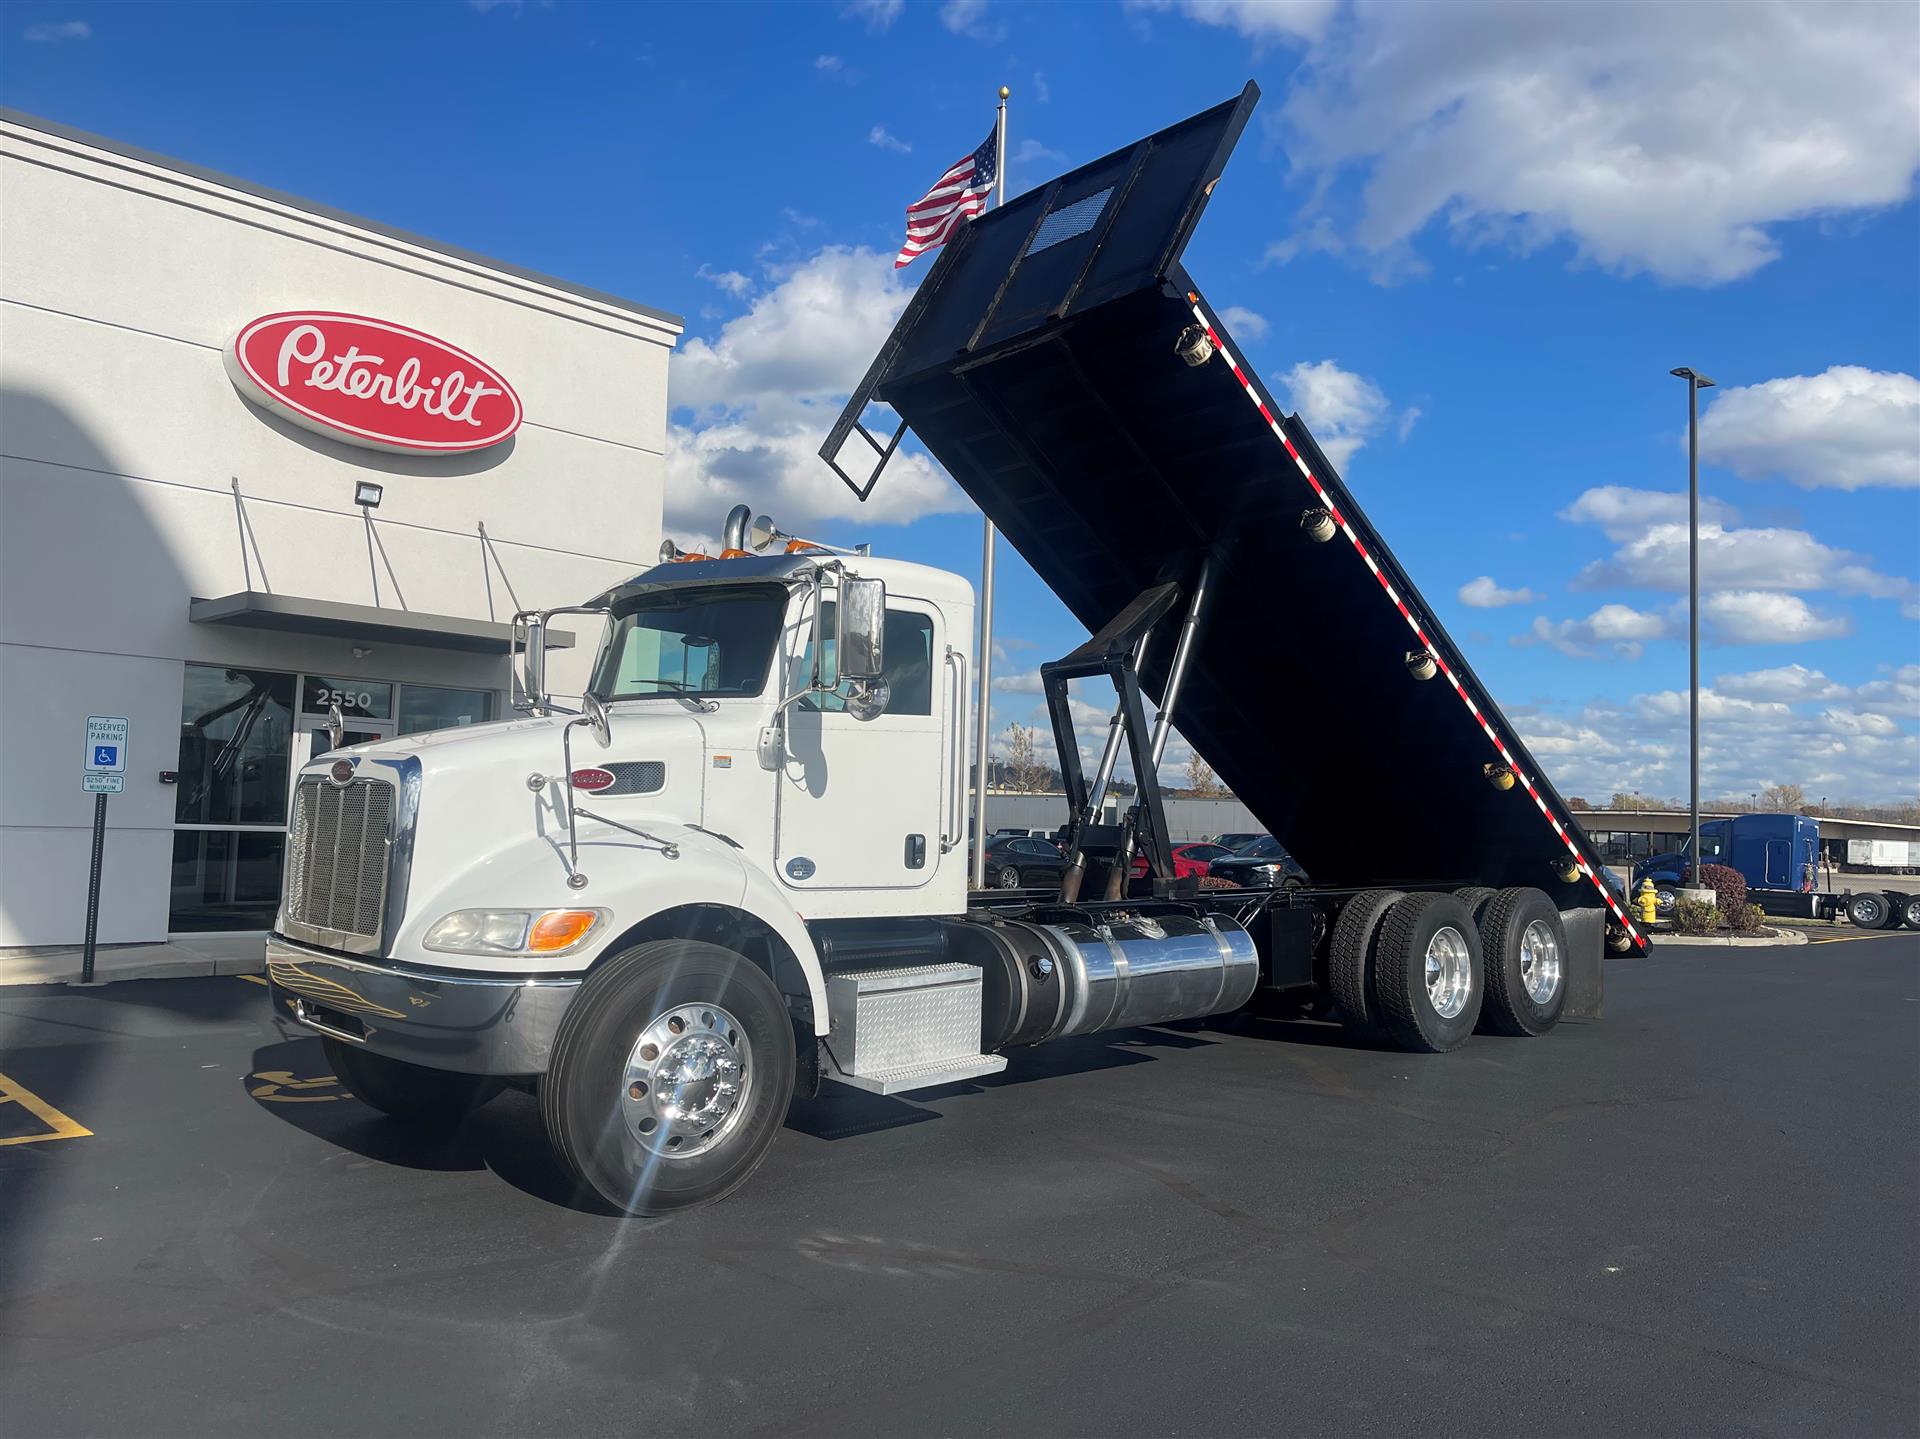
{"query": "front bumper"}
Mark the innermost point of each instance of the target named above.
(472, 1023)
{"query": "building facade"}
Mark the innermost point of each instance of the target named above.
(219, 539)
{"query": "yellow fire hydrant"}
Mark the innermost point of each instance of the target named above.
(1649, 906)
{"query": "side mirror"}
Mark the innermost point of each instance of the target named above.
(861, 622)
(597, 719)
(534, 676)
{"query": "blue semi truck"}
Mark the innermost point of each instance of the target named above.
(1779, 857)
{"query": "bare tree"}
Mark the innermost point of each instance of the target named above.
(1026, 773)
(1202, 782)
(1783, 799)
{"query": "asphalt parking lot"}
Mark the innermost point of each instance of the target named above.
(1695, 1215)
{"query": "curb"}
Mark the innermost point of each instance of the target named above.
(1773, 938)
(20, 972)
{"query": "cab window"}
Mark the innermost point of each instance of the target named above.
(909, 670)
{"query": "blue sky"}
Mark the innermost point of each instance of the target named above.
(1467, 242)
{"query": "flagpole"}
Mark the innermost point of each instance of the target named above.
(983, 718)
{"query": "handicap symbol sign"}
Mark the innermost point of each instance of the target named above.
(106, 749)
(106, 756)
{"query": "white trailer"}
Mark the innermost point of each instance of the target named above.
(1899, 856)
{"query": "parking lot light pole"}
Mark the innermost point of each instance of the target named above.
(1696, 382)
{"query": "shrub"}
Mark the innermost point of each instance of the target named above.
(1745, 918)
(1695, 916)
(1729, 884)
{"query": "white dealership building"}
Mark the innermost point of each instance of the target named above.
(259, 458)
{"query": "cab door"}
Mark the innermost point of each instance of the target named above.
(860, 800)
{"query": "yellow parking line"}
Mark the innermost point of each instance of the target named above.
(59, 1126)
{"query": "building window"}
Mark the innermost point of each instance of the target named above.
(425, 707)
(225, 879)
(236, 742)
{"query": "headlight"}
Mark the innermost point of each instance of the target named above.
(513, 931)
(1267, 874)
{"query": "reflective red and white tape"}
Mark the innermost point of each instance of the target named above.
(1413, 623)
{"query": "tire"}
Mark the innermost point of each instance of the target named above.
(1349, 951)
(411, 1092)
(1524, 945)
(1475, 897)
(1007, 879)
(1867, 910)
(1910, 911)
(678, 1020)
(1896, 909)
(1428, 974)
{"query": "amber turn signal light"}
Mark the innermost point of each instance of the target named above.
(560, 929)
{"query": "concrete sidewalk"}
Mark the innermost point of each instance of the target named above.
(187, 955)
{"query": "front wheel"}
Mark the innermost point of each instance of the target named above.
(671, 1075)
(407, 1091)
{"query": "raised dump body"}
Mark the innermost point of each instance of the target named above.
(1051, 361)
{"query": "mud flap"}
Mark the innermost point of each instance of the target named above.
(1586, 962)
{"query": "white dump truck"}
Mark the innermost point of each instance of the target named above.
(739, 870)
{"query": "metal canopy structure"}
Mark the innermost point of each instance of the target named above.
(1038, 363)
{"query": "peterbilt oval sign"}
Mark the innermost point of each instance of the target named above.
(372, 383)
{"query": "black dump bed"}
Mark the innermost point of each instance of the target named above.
(1037, 362)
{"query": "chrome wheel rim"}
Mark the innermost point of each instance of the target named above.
(1449, 972)
(687, 1081)
(1540, 964)
(1663, 900)
(1863, 912)
(1009, 879)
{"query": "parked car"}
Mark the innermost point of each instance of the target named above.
(1190, 859)
(1016, 861)
(1262, 864)
(1235, 841)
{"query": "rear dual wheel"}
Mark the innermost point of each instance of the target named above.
(1525, 944)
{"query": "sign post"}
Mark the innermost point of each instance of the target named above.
(103, 772)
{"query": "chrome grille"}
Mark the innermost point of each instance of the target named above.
(645, 776)
(337, 860)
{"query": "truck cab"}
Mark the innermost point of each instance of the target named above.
(1770, 851)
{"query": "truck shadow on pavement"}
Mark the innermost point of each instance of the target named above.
(291, 1080)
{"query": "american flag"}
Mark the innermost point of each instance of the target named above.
(958, 195)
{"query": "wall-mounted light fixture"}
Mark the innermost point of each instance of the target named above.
(366, 494)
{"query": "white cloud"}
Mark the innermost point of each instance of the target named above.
(1344, 410)
(828, 64)
(1846, 429)
(1244, 322)
(879, 14)
(1409, 417)
(1759, 617)
(732, 281)
(1845, 752)
(1666, 139)
(1897, 695)
(1041, 92)
(1619, 630)
(1786, 683)
(50, 32)
(1624, 513)
(1262, 21)
(879, 135)
(763, 393)
(1032, 152)
(1484, 594)
(969, 17)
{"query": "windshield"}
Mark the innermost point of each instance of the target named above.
(709, 641)
(1265, 847)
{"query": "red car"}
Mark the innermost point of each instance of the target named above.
(1188, 859)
